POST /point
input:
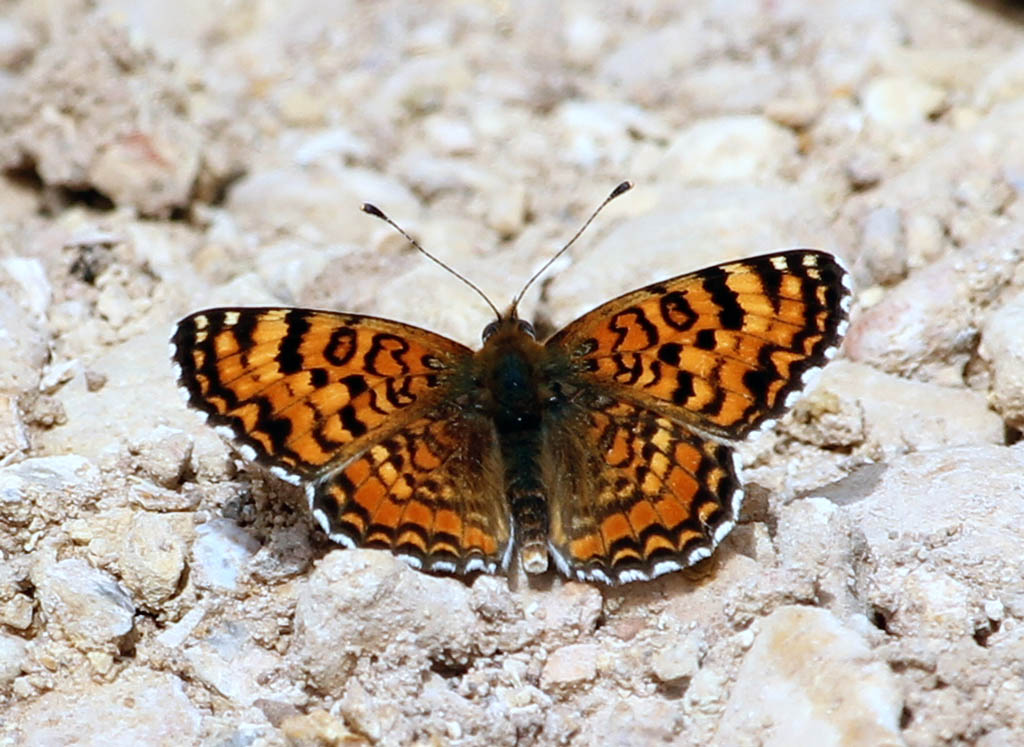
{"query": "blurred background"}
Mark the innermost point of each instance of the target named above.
(156, 158)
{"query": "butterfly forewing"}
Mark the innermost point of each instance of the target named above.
(303, 388)
(720, 349)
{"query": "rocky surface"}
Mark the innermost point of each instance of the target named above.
(156, 160)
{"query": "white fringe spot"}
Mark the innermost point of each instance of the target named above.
(698, 554)
(285, 475)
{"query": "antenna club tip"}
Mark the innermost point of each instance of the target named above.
(623, 187)
(373, 210)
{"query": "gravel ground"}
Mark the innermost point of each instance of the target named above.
(158, 158)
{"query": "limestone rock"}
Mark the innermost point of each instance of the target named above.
(570, 665)
(91, 607)
(810, 678)
(141, 707)
(358, 602)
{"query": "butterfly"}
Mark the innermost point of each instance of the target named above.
(605, 449)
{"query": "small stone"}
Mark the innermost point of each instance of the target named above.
(13, 434)
(34, 286)
(570, 611)
(584, 37)
(302, 107)
(417, 87)
(137, 370)
(23, 348)
(163, 454)
(115, 305)
(901, 101)
(814, 538)
(507, 211)
(227, 660)
(1004, 81)
(638, 67)
(955, 542)
(994, 610)
(926, 326)
(89, 604)
(450, 136)
(925, 238)
(336, 143)
(305, 201)
(492, 599)
(931, 601)
(858, 406)
(794, 113)
(212, 458)
(101, 661)
(152, 557)
(675, 660)
(883, 252)
(319, 727)
(154, 168)
(23, 688)
(175, 635)
(570, 665)
(17, 612)
(13, 659)
(630, 720)
(737, 148)
(46, 487)
(604, 131)
(1000, 348)
(865, 169)
(221, 554)
(276, 711)
(360, 601)
(16, 43)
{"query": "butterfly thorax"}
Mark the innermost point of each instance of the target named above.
(512, 392)
(509, 373)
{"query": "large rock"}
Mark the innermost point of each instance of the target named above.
(360, 603)
(810, 679)
(141, 707)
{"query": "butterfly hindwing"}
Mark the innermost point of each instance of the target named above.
(432, 493)
(633, 494)
(720, 349)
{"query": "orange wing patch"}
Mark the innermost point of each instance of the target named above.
(720, 349)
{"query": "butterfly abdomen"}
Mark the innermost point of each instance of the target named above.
(512, 386)
(527, 498)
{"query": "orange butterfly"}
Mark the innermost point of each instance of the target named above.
(603, 448)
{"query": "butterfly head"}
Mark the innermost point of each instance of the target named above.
(509, 323)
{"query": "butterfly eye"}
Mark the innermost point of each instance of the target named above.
(489, 330)
(526, 327)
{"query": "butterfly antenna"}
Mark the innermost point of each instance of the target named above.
(376, 212)
(621, 189)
